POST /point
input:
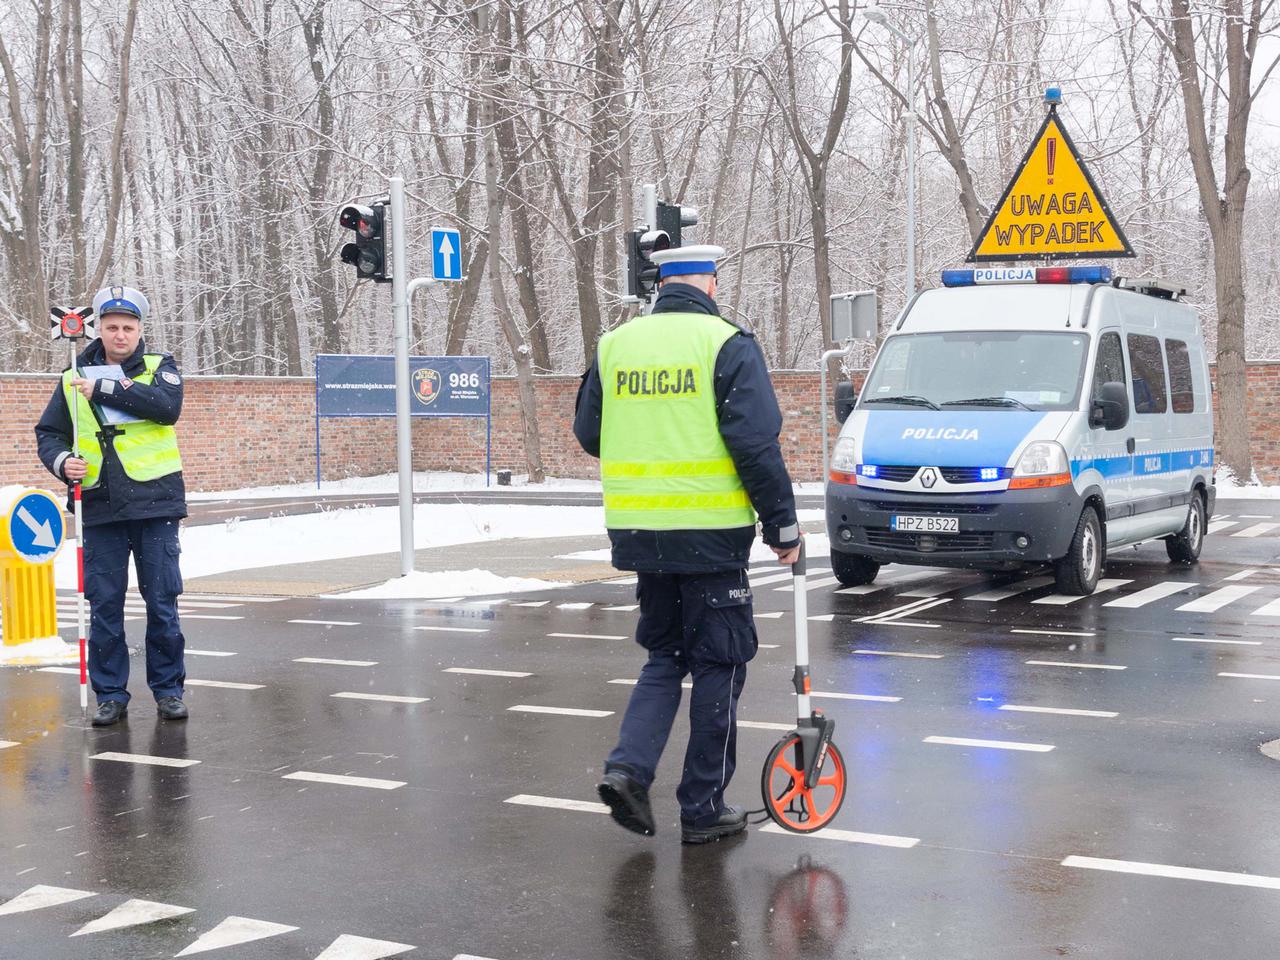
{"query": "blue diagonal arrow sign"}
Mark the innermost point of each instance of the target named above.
(35, 527)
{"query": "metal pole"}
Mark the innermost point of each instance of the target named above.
(76, 493)
(844, 351)
(911, 168)
(400, 324)
(650, 192)
(316, 361)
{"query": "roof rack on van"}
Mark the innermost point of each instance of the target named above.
(1152, 287)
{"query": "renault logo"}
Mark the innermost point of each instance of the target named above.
(929, 477)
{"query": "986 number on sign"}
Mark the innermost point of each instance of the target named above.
(464, 380)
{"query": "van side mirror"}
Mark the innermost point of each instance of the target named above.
(846, 399)
(1110, 407)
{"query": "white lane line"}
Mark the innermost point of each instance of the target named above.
(74, 671)
(133, 913)
(624, 581)
(896, 653)
(1243, 574)
(908, 623)
(1056, 633)
(6, 744)
(559, 711)
(1217, 526)
(622, 608)
(341, 780)
(573, 606)
(943, 585)
(927, 604)
(206, 616)
(237, 599)
(848, 836)
(686, 684)
(823, 617)
(478, 672)
(329, 623)
(1257, 530)
(765, 580)
(336, 663)
(587, 636)
(222, 684)
(769, 646)
(1004, 593)
(379, 697)
(1063, 711)
(1250, 676)
(1271, 609)
(144, 759)
(1239, 643)
(1062, 599)
(442, 599)
(348, 947)
(455, 629)
(867, 697)
(1151, 594)
(765, 725)
(1075, 666)
(557, 803)
(532, 603)
(1254, 516)
(234, 931)
(901, 610)
(492, 602)
(1218, 599)
(209, 653)
(809, 584)
(1174, 873)
(991, 744)
(892, 580)
(770, 616)
(41, 896)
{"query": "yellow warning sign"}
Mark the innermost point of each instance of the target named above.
(1051, 208)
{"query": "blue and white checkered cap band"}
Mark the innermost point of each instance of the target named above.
(681, 267)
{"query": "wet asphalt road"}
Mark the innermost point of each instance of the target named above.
(946, 850)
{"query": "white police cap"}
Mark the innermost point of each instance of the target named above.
(678, 261)
(121, 300)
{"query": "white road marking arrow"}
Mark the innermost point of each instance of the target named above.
(447, 251)
(133, 913)
(234, 931)
(42, 532)
(347, 947)
(40, 896)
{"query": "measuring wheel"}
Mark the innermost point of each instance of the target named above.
(788, 801)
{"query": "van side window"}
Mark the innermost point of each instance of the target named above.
(1181, 391)
(1110, 365)
(1148, 374)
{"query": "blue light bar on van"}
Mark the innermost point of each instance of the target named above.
(997, 275)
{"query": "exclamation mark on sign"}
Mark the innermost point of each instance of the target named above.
(1051, 154)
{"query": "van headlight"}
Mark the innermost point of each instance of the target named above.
(843, 465)
(1043, 464)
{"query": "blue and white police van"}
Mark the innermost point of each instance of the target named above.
(1022, 416)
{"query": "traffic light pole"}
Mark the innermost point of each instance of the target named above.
(400, 324)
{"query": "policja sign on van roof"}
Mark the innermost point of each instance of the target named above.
(1051, 208)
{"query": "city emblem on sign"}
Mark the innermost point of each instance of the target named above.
(426, 385)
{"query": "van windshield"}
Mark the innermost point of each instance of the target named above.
(987, 369)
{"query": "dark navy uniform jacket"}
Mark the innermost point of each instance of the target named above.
(117, 497)
(750, 422)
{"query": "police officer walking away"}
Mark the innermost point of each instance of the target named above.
(133, 497)
(680, 410)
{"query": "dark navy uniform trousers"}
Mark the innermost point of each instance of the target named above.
(699, 624)
(155, 549)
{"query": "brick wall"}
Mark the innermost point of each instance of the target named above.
(253, 431)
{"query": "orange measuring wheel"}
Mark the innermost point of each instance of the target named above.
(789, 803)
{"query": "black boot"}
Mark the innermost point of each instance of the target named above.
(628, 802)
(171, 708)
(109, 712)
(733, 820)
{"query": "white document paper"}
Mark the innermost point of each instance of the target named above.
(109, 371)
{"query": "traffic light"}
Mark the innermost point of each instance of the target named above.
(642, 273)
(672, 216)
(369, 252)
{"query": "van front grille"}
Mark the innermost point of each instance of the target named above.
(970, 542)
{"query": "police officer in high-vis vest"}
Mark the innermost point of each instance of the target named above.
(680, 410)
(133, 497)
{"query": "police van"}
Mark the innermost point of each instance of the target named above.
(1023, 416)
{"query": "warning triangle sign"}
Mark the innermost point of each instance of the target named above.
(1051, 208)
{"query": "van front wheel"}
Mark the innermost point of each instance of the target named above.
(1185, 545)
(853, 570)
(1077, 573)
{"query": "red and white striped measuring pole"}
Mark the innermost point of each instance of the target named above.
(72, 325)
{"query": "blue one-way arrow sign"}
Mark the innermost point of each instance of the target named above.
(446, 254)
(35, 527)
